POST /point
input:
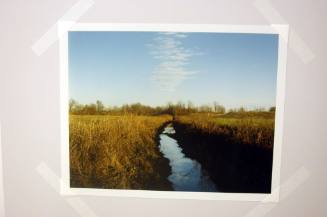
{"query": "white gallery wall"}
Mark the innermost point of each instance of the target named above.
(29, 111)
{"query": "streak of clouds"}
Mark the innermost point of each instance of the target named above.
(173, 57)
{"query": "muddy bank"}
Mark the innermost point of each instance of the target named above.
(233, 167)
(162, 168)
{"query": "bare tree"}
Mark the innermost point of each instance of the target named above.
(99, 106)
(218, 108)
(72, 105)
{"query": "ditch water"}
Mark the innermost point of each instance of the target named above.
(186, 174)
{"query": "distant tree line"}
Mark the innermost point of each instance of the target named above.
(180, 108)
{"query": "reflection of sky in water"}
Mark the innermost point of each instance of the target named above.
(187, 174)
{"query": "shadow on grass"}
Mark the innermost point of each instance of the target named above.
(233, 167)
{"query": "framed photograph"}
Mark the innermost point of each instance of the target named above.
(172, 110)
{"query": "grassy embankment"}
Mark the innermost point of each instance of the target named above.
(118, 152)
(235, 148)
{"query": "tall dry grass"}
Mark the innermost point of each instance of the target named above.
(234, 148)
(250, 128)
(114, 151)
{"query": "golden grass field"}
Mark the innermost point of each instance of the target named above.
(121, 152)
(114, 151)
(235, 148)
(250, 128)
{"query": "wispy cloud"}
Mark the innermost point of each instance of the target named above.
(173, 57)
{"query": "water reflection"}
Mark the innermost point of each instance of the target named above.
(187, 174)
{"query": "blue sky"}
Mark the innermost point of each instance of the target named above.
(154, 68)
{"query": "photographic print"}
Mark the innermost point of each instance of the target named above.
(172, 111)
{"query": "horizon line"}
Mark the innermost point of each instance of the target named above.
(175, 103)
